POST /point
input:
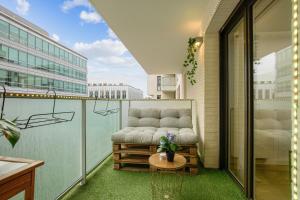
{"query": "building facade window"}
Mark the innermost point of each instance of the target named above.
(3, 52)
(113, 94)
(107, 94)
(118, 94)
(31, 41)
(124, 94)
(13, 55)
(23, 37)
(22, 58)
(158, 83)
(4, 29)
(38, 44)
(45, 47)
(267, 94)
(260, 94)
(13, 33)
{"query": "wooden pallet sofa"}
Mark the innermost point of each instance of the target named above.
(133, 145)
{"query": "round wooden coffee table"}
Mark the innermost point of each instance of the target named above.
(166, 185)
(161, 163)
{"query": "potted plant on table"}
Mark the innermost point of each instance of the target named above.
(168, 145)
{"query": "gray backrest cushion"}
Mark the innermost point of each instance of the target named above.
(143, 117)
(172, 118)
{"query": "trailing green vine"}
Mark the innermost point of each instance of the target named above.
(190, 63)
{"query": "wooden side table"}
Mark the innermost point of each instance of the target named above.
(166, 185)
(158, 162)
(17, 175)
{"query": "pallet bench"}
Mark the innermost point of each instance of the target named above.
(134, 157)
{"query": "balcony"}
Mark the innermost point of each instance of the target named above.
(79, 152)
(168, 83)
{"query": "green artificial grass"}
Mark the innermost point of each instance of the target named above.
(108, 184)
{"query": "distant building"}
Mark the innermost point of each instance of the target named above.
(263, 87)
(165, 86)
(284, 73)
(32, 62)
(114, 91)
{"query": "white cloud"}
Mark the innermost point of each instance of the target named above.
(101, 48)
(55, 37)
(111, 34)
(69, 4)
(109, 61)
(22, 6)
(90, 17)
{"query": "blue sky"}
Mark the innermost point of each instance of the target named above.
(76, 24)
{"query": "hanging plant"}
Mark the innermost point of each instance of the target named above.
(190, 63)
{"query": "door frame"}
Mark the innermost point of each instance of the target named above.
(242, 10)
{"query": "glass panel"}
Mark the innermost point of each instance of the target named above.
(31, 61)
(13, 79)
(236, 90)
(3, 52)
(13, 33)
(51, 67)
(51, 49)
(45, 64)
(38, 44)
(45, 47)
(31, 41)
(13, 56)
(70, 58)
(3, 77)
(58, 145)
(23, 37)
(61, 54)
(57, 68)
(4, 29)
(38, 62)
(272, 105)
(38, 82)
(45, 84)
(22, 80)
(30, 81)
(99, 131)
(56, 51)
(23, 58)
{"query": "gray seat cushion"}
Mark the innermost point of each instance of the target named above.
(184, 136)
(134, 135)
(151, 135)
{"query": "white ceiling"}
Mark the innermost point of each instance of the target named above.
(156, 31)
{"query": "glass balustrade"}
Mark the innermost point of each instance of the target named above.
(60, 145)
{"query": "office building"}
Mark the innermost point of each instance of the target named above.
(32, 62)
(114, 91)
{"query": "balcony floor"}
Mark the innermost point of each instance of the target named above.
(108, 184)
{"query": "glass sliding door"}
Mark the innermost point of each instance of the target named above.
(272, 76)
(236, 101)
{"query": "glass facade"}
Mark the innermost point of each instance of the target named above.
(22, 80)
(29, 60)
(50, 65)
